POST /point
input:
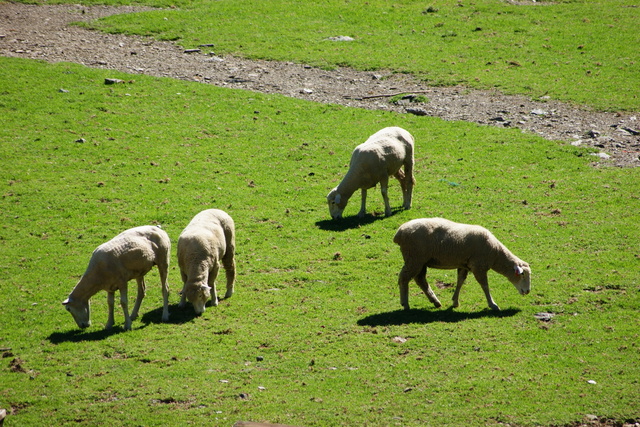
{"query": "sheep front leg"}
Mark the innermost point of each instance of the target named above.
(407, 188)
(421, 280)
(142, 290)
(124, 303)
(462, 276)
(363, 203)
(110, 301)
(384, 187)
(481, 277)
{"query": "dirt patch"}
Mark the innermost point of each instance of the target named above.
(43, 32)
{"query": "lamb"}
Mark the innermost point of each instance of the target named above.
(129, 255)
(206, 241)
(372, 162)
(443, 244)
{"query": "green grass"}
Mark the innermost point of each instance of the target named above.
(316, 299)
(584, 52)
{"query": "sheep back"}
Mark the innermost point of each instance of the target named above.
(383, 153)
(205, 240)
(445, 244)
(129, 255)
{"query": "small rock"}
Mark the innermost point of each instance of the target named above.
(545, 317)
(539, 112)
(259, 358)
(341, 39)
(306, 91)
(631, 131)
(191, 50)
(112, 81)
(593, 134)
(206, 45)
(63, 91)
(416, 111)
(603, 156)
(399, 340)
(576, 143)
(80, 141)
(592, 382)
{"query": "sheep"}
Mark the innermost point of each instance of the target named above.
(372, 162)
(205, 242)
(129, 255)
(443, 244)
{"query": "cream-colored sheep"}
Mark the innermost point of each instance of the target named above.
(442, 244)
(206, 241)
(373, 162)
(129, 255)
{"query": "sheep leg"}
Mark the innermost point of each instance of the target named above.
(481, 277)
(124, 303)
(407, 188)
(363, 203)
(384, 187)
(165, 291)
(110, 319)
(462, 276)
(229, 263)
(142, 290)
(213, 274)
(421, 280)
(183, 294)
(407, 273)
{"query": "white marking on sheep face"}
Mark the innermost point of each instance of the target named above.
(335, 207)
(80, 310)
(198, 296)
(522, 279)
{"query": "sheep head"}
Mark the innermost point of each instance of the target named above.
(80, 310)
(521, 278)
(336, 203)
(198, 295)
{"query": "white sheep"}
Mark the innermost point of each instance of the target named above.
(129, 255)
(206, 241)
(372, 162)
(442, 244)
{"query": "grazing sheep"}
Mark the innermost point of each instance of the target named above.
(129, 255)
(206, 241)
(443, 244)
(372, 162)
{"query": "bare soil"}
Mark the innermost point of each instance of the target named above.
(43, 32)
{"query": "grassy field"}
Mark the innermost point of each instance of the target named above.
(314, 334)
(581, 51)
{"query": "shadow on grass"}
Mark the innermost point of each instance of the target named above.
(402, 317)
(350, 222)
(177, 316)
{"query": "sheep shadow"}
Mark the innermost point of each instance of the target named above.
(80, 335)
(177, 315)
(424, 316)
(351, 222)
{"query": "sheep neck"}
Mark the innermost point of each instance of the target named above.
(347, 187)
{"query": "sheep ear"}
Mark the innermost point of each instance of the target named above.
(337, 199)
(518, 270)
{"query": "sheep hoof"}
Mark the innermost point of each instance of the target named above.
(494, 307)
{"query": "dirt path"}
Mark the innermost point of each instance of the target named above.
(42, 32)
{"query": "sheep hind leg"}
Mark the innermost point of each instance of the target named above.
(406, 183)
(213, 275)
(163, 270)
(462, 276)
(407, 273)
(421, 280)
(142, 290)
(183, 293)
(229, 264)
